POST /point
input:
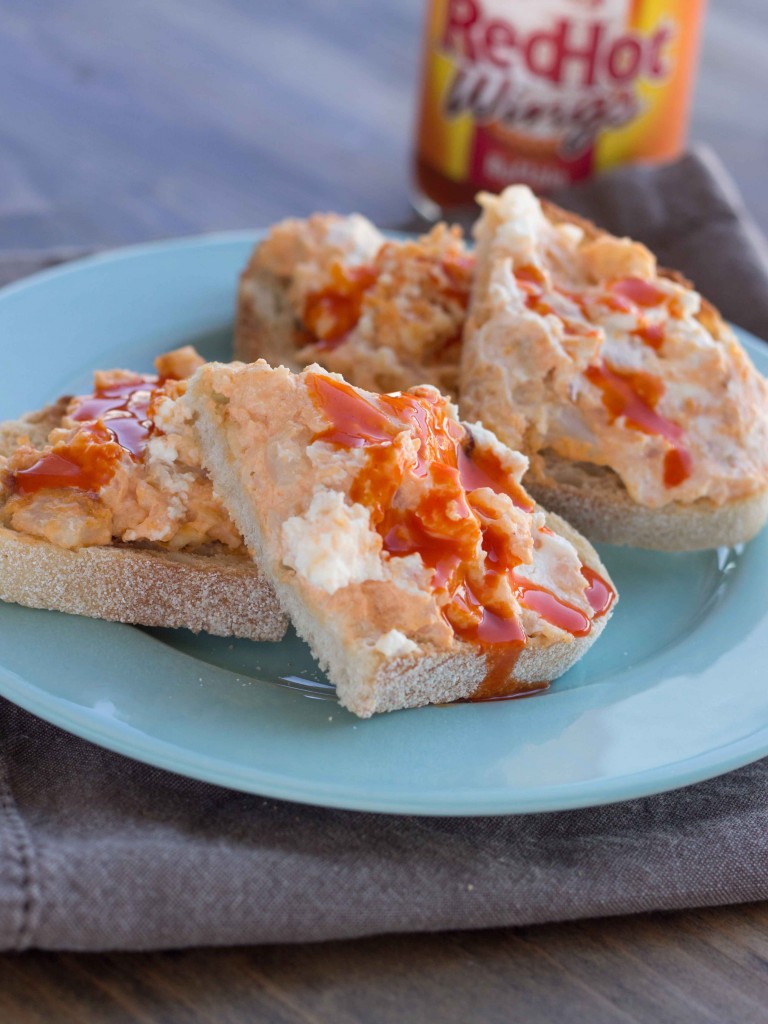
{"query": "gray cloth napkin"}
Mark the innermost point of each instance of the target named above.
(100, 852)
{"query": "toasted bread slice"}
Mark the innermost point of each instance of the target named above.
(594, 497)
(400, 542)
(218, 593)
(387, 314)
(58, 548)
(644, 419)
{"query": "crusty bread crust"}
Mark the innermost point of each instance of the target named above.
(217, 592)
(366, 681)
(222, 594)
(265, 327)
(597, 503)
(594, 499)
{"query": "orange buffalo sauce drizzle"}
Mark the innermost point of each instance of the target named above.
(114, 421)
(446, 543)
(629, 295)
(637, 292)
(625, 295)
(333, 311)
(632, 394)
(532, 282)
(599, 594)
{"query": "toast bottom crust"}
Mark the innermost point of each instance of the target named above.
(594, 500)
(222, 594)
(264, 325)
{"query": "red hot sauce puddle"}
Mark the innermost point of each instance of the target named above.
(446, 543)
(114, 421)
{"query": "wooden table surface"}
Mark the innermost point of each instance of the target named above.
(126, 121)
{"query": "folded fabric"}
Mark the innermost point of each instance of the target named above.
(100, 852)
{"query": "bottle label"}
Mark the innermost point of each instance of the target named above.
(553, 91)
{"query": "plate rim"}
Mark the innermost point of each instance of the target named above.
(134, 249)
(562, 797)
(491, 801)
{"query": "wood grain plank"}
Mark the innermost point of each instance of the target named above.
(627, 983)
(199, 985)
(549, 990)
(739, 933)
(677, 968)
(653, 968)
(164, 988)
(46, 989)
(384, 981)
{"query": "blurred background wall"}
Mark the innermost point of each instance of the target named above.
(122, 121)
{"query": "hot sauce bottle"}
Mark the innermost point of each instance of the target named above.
(549, 92)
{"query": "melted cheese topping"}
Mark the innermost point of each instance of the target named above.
(121, 466)
(592, 355)
(407, 494)
(387, 315)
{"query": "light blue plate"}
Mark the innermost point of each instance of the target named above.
(676, 690)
